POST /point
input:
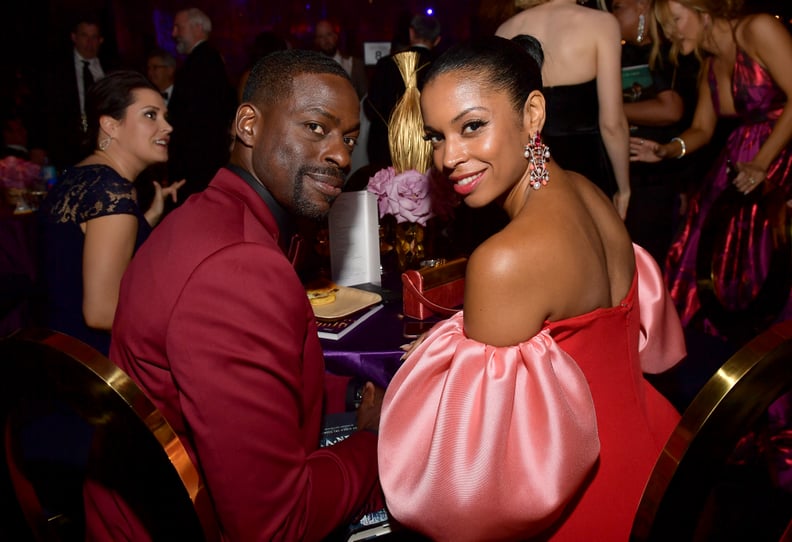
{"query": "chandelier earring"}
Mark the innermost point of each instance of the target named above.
(538, 154)
(641, 28)
(103, 144)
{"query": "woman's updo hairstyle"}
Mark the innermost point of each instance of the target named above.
(497, 63)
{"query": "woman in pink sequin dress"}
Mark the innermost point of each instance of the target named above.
(745, 77)
(527, 414)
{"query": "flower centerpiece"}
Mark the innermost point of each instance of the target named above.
(410, 193)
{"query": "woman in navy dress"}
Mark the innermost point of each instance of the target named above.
(90, 221)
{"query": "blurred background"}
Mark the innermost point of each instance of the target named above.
(37, 29)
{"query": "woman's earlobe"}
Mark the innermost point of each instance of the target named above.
(534, 114)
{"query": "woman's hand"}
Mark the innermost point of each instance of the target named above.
(621, 200)
(749, 176)
(409, 347)
(644, 150)
(154, 213)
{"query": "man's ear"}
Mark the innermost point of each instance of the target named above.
(534, 112)
(245, 123)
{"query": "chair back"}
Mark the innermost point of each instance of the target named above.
(69, 414)
(718, 477)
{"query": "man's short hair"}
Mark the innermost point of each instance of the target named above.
(88, 19)
(196, 16)
(166, 58)
(270, 80)
(425, 27)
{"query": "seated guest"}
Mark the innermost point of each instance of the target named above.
(90, 221)
(527, 413)
(214, 323)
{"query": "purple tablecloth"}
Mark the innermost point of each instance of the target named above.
(371, 351)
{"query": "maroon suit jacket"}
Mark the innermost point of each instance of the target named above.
(214, 324)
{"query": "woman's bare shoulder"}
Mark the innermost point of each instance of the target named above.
(515, 25)
(506, 301)
(760, 33)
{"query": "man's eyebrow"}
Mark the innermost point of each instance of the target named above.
(326, 114)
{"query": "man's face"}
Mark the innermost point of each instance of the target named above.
(86, 39)
(303, 143)
(184, 33)
(159, 73)
(326, 39)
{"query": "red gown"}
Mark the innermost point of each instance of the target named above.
(554, 437)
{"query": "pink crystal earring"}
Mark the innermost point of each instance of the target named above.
(538, 154)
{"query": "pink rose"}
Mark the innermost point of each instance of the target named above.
(410, 190)
(378, 185)
(412, 196)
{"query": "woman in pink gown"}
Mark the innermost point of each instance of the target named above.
(527, 414)
(746, 78)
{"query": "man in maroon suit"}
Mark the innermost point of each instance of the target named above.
(214, 324)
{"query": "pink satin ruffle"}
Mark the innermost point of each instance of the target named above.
(480, 442)
(490, 443)
(661, 342)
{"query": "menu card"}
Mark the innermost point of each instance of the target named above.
(354, 239)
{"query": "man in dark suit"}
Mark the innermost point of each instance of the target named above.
(202, 105)
(64, 93)
(387, 86)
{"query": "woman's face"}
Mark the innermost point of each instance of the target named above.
(144, 132)
(477, 137)
(688, 26)
(627, 12)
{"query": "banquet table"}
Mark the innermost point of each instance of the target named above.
(373, 350)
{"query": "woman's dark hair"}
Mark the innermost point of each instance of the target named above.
(110, 95)
(496, 62)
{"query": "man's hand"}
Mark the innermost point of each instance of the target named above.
(368, 413)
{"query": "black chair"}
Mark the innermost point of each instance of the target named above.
(715, 477)
(69, 413)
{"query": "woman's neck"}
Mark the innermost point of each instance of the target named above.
(111, 160)
(721, 40)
